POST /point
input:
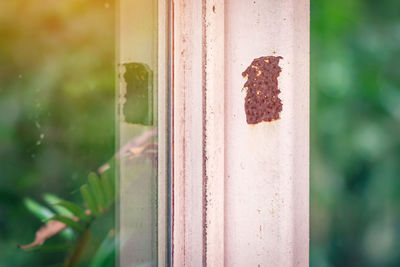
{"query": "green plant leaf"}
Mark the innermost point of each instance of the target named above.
(52, 200)
(89, 200)
(67, 221)
(74, 209)
(44, 213)
(38, 210)
(97, 190)
(107, 183)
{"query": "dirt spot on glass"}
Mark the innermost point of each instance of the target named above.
(262, 103)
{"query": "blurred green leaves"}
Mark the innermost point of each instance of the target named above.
(74, 209)
(44, 214)
(355, 133)
(38, 210)
(98, 194)
(68, 221)
(98, 197)
(56, 81)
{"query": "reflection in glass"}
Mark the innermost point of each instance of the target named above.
(137, 139)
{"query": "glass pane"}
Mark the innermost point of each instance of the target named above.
(138, 133)
(57, 117)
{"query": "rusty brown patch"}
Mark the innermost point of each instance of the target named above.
(262, 102)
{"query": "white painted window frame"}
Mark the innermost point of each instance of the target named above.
(239, 193)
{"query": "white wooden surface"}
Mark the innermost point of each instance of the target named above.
(214, 130)
(187, 182)
(267, 165)
(240, 192)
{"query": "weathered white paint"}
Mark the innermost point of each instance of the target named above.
(187, 229)
(198, 144)
(214, 130)
(246, 202)
(266, 193)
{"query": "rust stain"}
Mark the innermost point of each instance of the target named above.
(262, 103)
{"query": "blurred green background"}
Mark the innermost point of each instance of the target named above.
(57, 122)
(57, 110)
(355, 133)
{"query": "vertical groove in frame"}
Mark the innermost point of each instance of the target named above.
(182, 85)
(170, 41)
(184, 114)
(171, 95)
(198, 154)
(188, 165)
(204, 132)
(171, 131)
(213, 131)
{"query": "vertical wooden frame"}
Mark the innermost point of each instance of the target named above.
(214, 131)
(198, 138)
(239, 191)
(187, 127)
(266, 186)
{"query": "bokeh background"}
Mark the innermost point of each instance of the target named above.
(355, 133)
(57, 109)
(57, 122)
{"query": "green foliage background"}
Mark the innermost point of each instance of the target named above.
(56, 112)
(355, 133)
